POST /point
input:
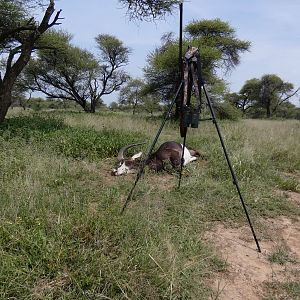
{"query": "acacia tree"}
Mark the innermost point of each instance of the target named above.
(219, 47)
(131, 94)
(151, 104)
(247, 96)
(70, 73)
(267, 93)
(150, 9)
(20, 35)
(273, 92)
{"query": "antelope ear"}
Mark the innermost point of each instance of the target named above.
(135, 156)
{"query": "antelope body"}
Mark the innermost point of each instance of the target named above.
(168, 151)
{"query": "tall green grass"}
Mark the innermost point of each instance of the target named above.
(61, 232)
(82, 143)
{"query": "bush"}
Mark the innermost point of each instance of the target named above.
(81, 143)
(226, 110)
(90, 144)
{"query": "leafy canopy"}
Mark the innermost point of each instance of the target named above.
(70, 73)
(220, 49)
(264, 95)
(149, 9)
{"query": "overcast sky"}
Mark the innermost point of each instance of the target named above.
(272, 26)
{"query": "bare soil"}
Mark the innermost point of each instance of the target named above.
(248, 269)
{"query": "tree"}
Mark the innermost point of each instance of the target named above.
(113, 56)
(267, 93)
(71, 73)
(151, 9)
(247, 96)
(113, 106)
(273, 91)
(287, 110)
(20, 35)
(217, 42)
(151, 104)
(219, 48)
(18, 95)
(131, 94)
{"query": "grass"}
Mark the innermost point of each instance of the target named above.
(61, 232)
(282, 290)
(281, 255)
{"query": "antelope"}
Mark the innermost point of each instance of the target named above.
(168, 151)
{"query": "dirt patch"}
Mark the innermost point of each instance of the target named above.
(44, 287)
(294, 197)
(248, 269)
(291, 196)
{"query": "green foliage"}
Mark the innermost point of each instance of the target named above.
(281, 255)
(217, 37)
(149, 10)
(282, 290)
(61, 232)
(79, 143)
(112, 50)
(92, 145)
(219, 48)
(113, 105)
(287, 110)
(137, 96)
(131, 94)
(226, 110)
(265, 96)
(12, 15)
(70, 73)
(286, 183)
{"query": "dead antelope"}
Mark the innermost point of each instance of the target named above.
(168, 151)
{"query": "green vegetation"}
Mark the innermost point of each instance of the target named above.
(61, 232)
(282, 290)
(266, 97)
(281, 255)
(52, 133)
(219, 47)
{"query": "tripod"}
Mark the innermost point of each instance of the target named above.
(190, 117)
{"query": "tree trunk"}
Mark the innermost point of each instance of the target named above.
(93, 106)
(268, 107)
(134, 107)
(177, 109)
(14, 66)
(5, 101)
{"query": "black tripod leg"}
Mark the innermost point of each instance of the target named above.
(235, 182)
(182, 158)
(142, 166)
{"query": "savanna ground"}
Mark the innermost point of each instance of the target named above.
(62, 235)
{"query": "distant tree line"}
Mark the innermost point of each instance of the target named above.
(66, 73)
(267, 97)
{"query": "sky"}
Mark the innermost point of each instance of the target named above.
(272, 27)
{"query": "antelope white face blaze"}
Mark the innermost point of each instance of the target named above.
(122, 169)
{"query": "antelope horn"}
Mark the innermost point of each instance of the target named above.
(124, 149)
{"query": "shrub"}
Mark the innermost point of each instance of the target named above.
(91, 144)
(226, 110)
(81, 143)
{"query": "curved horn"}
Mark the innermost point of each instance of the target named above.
(125, 148)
